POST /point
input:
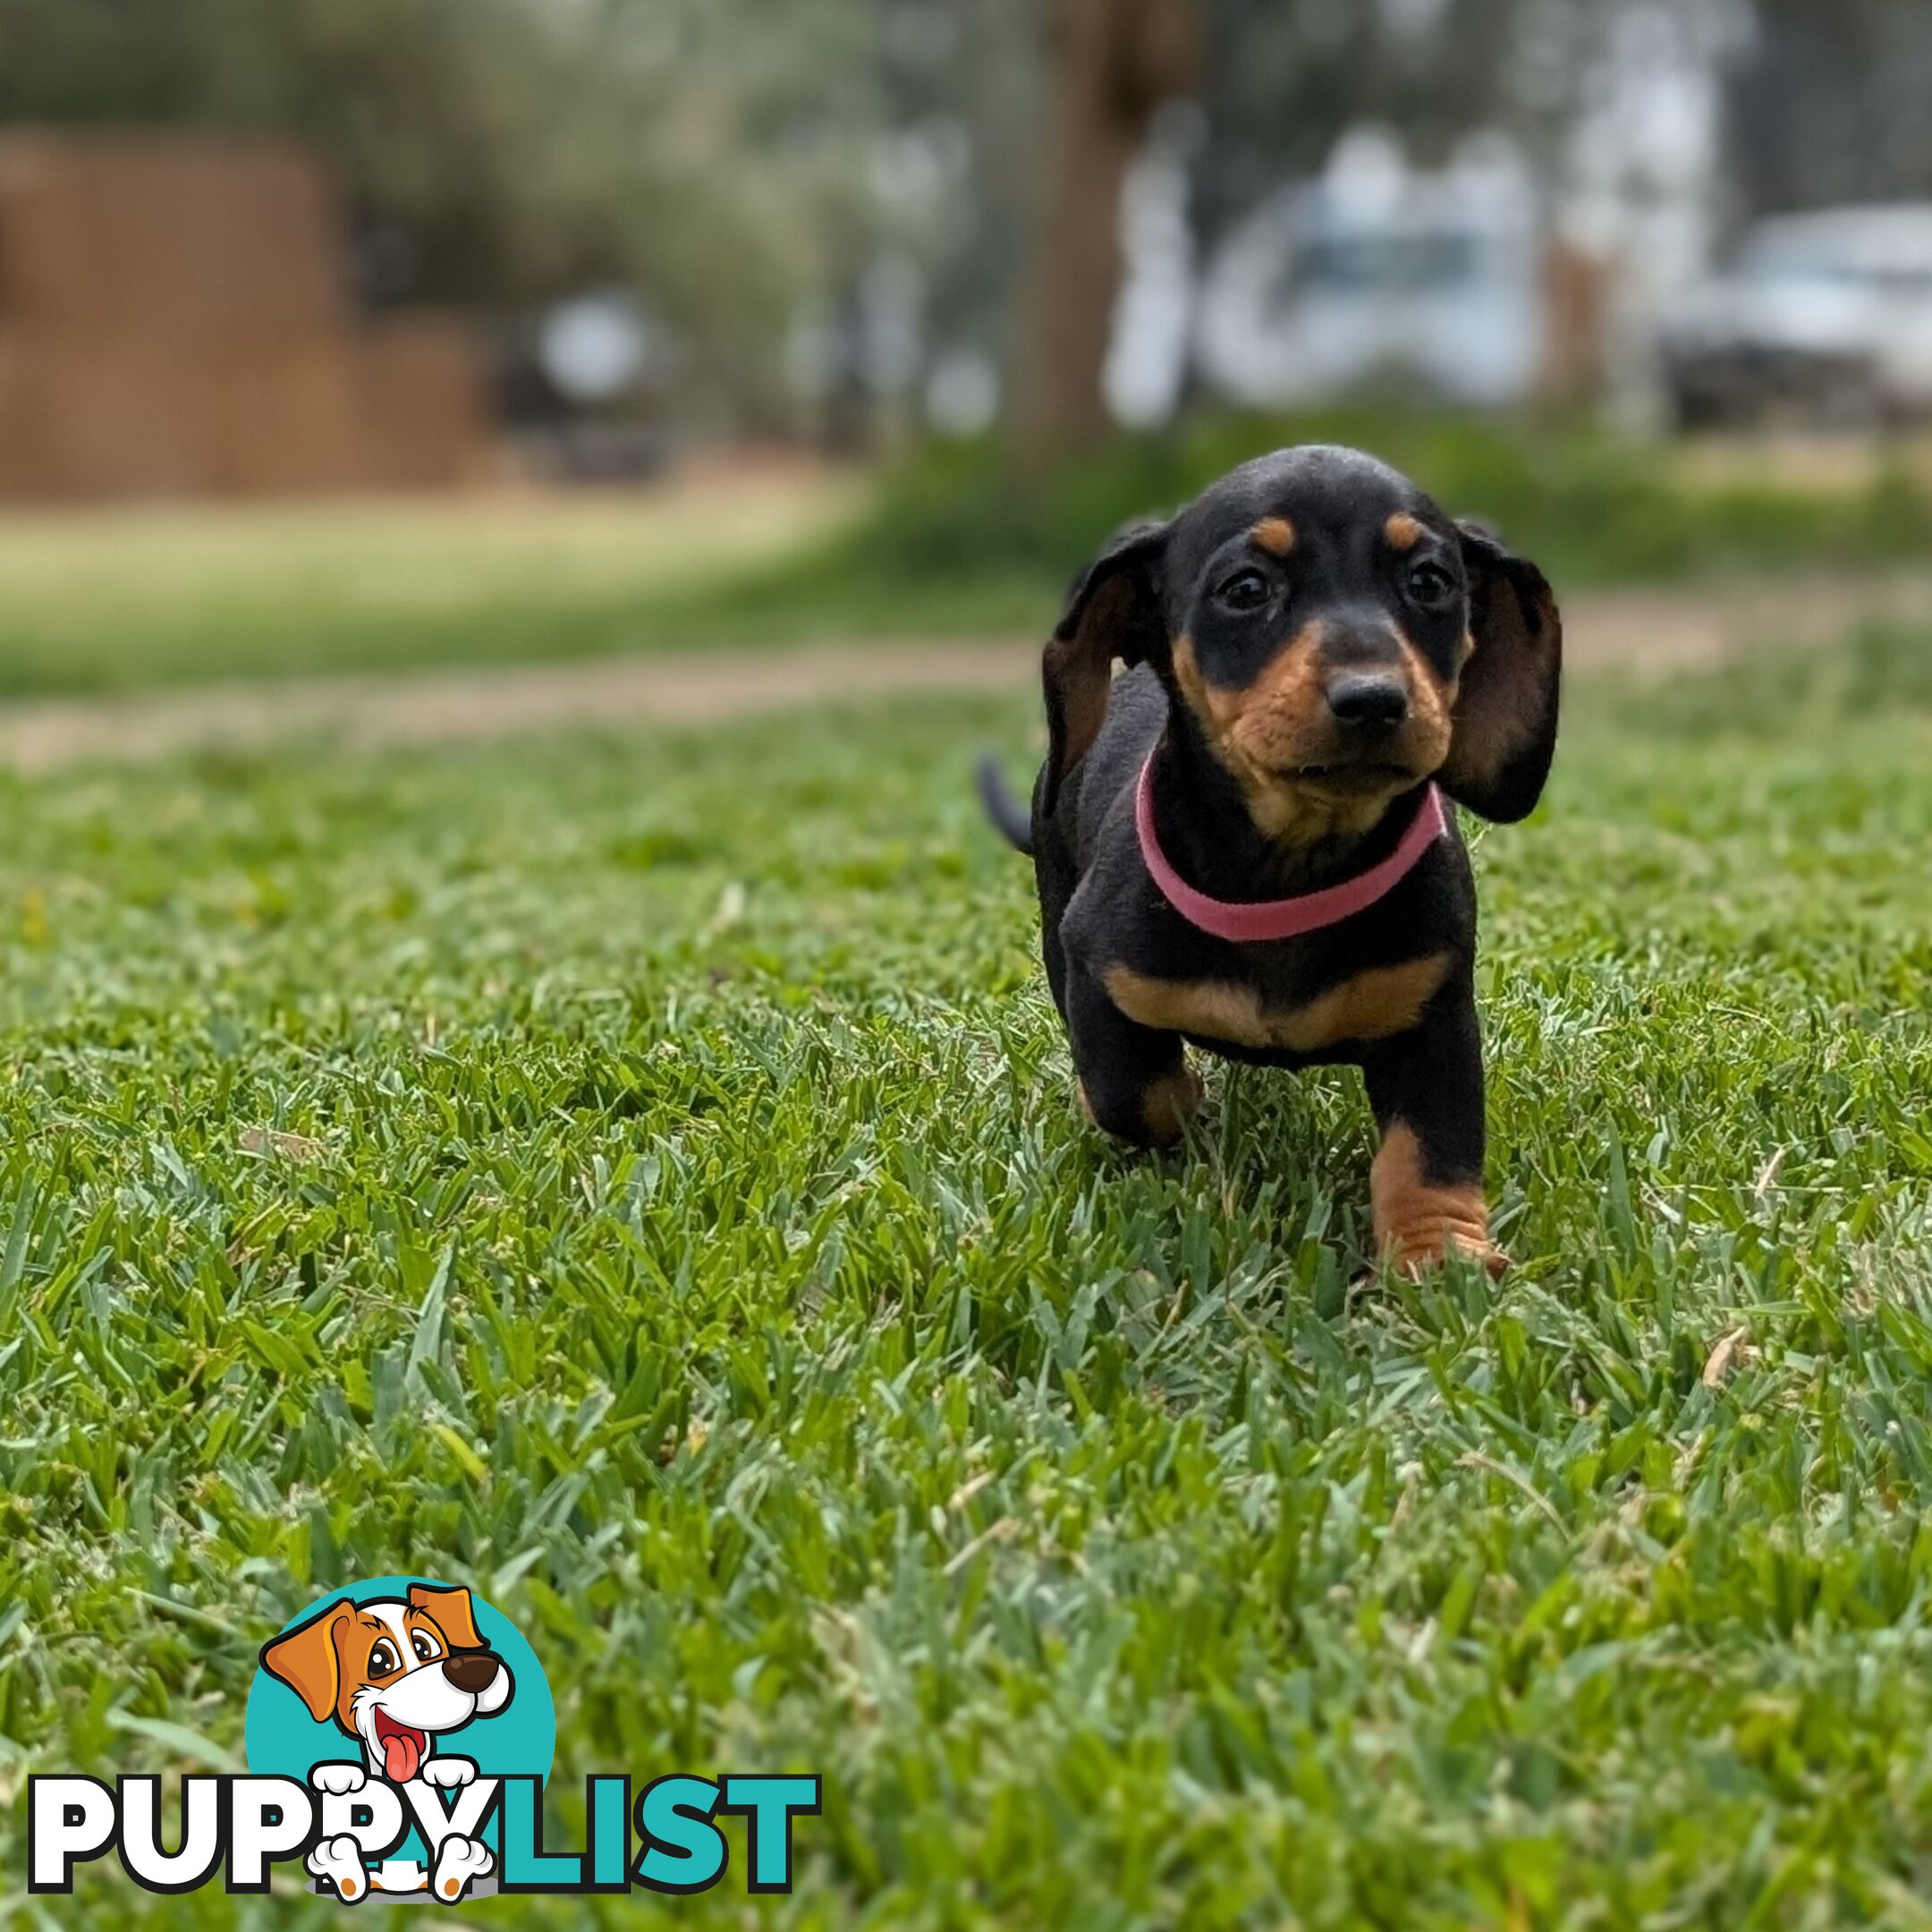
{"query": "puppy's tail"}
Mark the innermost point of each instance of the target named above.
(1009, 819)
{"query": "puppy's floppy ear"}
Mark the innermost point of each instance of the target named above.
(1114, 611)
(454, 1614)
(305, 1659)
(1506, 708)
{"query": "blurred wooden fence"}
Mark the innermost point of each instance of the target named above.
(171, 321)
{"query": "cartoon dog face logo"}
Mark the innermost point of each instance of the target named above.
(395, 1673)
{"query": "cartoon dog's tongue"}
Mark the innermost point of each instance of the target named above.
(402, 1751)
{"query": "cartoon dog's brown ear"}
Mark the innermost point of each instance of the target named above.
(454, 1614)
(1506, 708)
(1114, 611)
(305, 1659)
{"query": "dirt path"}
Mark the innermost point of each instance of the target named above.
(1651, 630)
(439, 706)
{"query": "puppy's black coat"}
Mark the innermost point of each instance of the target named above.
(1308, 644)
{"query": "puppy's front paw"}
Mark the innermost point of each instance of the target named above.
(451, 1772)
(339, 1860)
(1415, 1251)
(1153, 1115)
(338, 1780)
(458, 1861)
(1168, 1103)
(1419, 1218)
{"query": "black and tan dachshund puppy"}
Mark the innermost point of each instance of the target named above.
(1240, 841)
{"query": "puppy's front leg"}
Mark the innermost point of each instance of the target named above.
(1134, 1081)
(1425, 1087)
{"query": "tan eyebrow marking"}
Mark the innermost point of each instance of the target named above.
(1275, 534)
(1402, 532)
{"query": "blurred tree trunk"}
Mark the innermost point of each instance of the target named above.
(1117, 62)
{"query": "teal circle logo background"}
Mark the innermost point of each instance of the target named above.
(284, 1741)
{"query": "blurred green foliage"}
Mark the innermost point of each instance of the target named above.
(1593, 507)
(957, 544)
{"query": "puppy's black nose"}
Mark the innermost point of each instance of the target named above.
(1362, 698)
(470, 1669)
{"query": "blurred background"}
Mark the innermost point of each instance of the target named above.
(345, 334)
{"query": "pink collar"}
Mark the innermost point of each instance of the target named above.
(1244, 920)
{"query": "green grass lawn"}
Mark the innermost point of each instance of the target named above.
(149, 594)
(639, 1177)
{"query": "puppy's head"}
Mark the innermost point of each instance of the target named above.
(1332, 637)
(394, 1672)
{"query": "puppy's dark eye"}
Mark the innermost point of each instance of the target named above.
(423, 1645)
(1245, 590)
(383, 1659)
(1431, 586)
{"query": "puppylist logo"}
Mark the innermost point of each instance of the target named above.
(399, 1735)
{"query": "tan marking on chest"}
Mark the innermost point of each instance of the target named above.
(1375, 1004)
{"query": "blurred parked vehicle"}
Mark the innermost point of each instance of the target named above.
(1823, 318)
(1379, 272)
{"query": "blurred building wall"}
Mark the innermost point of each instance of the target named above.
(172, 322)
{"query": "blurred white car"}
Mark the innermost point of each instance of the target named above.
(1379, 272)
(1823, 318)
